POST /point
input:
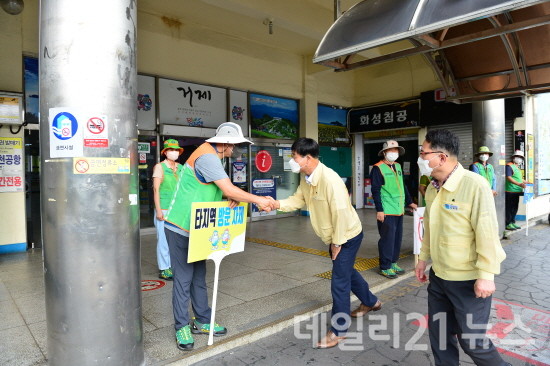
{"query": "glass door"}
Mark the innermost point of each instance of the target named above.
(271, 175)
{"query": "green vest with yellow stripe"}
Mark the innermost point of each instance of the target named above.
(168, 185)
(190, 189)
(517, 176)
(392, 192)
(486, 171)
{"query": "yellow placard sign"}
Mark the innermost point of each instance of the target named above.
(101, 165)
(216, 227)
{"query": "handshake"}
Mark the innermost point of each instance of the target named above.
(266, 203)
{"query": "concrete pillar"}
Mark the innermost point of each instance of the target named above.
(308, 106)
(90, 212)
(488, 129)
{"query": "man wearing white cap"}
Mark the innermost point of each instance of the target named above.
(202, 179)
(514, 189)
(390, 197)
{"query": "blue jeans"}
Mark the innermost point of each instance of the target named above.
(345, 278)
(163, 253)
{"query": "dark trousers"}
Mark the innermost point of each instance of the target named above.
(391, 235)
(512, 203)
(455, 315)
(189, 282)
(345, 278)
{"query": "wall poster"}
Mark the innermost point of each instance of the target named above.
(238, 109)
(146, 103)
(273, 117)
(332, 125)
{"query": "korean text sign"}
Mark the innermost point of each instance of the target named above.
(11, 164)
(216, 227)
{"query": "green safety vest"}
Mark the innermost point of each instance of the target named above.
(517, 176)
(189, 189)
(392, 192)
(487, 172)
(168, 185)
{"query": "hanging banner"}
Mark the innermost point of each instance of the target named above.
(11, 164)
(418, 229)
(216, 227)
(192, 105)
(390, 116)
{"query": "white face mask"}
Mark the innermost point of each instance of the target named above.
(392, 156)
(172, 155)
(424, 166)
(518, 160)
(294, 166)
(484, 157)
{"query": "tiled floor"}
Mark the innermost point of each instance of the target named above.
(259, 286)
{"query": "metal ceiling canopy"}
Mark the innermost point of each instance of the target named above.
(451, 35)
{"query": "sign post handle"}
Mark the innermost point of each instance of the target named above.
(217, 258)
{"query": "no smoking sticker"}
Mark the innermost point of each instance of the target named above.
(82, 166)
(95, 134)
(150, 285)
(96, 125)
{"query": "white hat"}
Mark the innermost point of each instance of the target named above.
(389, 145)
(229, 133)
(518, 153)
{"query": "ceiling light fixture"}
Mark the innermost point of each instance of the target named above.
(13, 7)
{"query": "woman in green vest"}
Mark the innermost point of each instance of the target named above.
(514, 189)
(165, 178)
(483, 168)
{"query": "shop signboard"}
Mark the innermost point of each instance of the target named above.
(385, 117)
(191, 105)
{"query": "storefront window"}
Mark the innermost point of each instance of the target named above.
(271, 174)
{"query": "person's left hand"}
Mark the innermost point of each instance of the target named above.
(484, 288)
(233, 203)
(413, 206)
(495, 193)
(334, 250)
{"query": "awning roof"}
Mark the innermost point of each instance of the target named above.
(479, 49)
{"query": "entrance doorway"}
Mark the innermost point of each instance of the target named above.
(407, 161)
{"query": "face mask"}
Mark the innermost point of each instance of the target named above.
(294, 166)
(172, 155)
(392, 156)
(424, 166)
(518, 160)
(484, 157)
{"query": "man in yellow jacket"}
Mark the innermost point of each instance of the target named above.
(336, 222)
(461, 238)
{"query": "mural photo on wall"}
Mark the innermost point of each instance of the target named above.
(332, 125)
(31, 89)
(273, 117)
